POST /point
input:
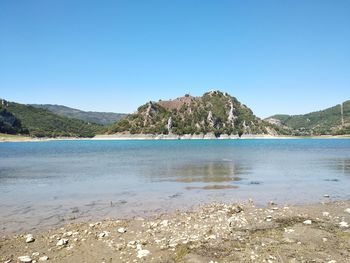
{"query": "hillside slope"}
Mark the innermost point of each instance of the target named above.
(328, 121)
(215, 112)
(23, 119)
(104, 118)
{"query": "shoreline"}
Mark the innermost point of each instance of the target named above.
(128, 137)
(217, 232)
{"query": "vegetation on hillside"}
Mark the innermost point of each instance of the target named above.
(324, 122)
(24, 119)
(9, 124)
(103, 118)
(214, 112)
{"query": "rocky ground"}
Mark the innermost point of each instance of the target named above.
(213, 233)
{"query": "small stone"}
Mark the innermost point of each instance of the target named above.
(324, 239)
(325, 214)
(62, 242)
(103, 234)
(307, 222)
(25, 259)
(44, 258)
(347, 210)
(35, 254)
(142, 253)
(326, 196)
(332, 261)
(68, 234)
(121, 230)
(164, 223)
(344, 224)
(30, 238)
(288, 230)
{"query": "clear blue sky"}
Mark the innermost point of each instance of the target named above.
(274, 56)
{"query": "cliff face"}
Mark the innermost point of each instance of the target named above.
(214, 112)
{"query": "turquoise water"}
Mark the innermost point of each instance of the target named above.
(43, 184)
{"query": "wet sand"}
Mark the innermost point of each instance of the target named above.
(212, 233)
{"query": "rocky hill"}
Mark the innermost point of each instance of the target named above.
(331, 121)
(214, 112)
(18, 118)
(104, 118)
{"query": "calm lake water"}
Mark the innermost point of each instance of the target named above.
(43, 184)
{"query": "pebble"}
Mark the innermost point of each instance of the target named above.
(307, 222)
(121, 230)
(343, 224)
(288, 230)
(35, 254)
(68, 234)
(25, 259)
(30, 238)
(325, 214)
(347, 210)
(142, 253)
(164, 223)
(44, 258)
(327, 196)
(62, 242)
(103, 234)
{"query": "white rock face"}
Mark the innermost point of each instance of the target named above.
(62, 242)
(30, 238)
(121, 230)
(210, 119)
(231, 117)
(307, 222)
(44, 258)
(25, 259)
(170, 124)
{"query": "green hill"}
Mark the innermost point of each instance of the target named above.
(104, 118)
(329, 121)
(23, 119)
(215, 112)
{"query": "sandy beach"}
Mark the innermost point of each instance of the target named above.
(212, 233)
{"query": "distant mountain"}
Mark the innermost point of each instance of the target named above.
(333, 121)
(18, 118)
(104, 118)
(214, 112)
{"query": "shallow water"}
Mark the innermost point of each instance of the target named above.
(43, 184)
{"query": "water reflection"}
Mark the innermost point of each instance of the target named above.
(210, 172)
(339, 165)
